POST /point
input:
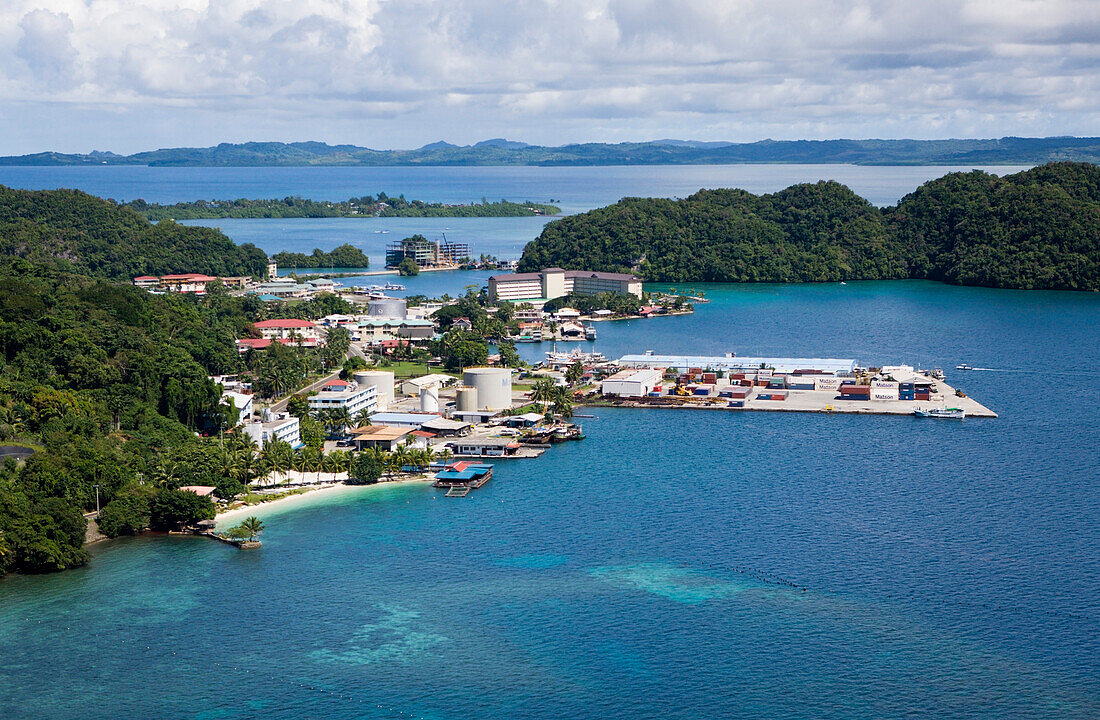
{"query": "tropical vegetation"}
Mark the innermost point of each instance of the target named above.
(1035, 229)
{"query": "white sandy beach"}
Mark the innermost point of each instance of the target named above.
(311, 495)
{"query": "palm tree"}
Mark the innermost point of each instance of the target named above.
(445, 455)
(339, 461)
(544, 391)
(341, 418)
(363, 419)
(253, 526)
(402, 456)
(302, 461)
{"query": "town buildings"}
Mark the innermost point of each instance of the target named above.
(553, 283)
(337, 394)
(301, 332)
(283, 428)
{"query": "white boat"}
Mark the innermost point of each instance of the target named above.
(554, 357)
(377, 288)
(949, 413)
(964, 366)
(393, 286)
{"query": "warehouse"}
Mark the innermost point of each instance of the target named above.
(634, 382)
(732, 363)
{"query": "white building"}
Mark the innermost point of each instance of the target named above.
(554, 283)
(342, 394)
(633, 382)
(375, 330)
(284, 428)
(302, 331)
(413, 386)
(241, 401)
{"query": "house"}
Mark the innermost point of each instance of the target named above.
(421, 439)
(375, 330)
(321, 285)
(462, 323)
(241, 401)
(382, 437)
(300, 332)
(283, 428)
(146, 281)
(567, 314)
(338, 394)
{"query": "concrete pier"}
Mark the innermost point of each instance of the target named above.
(821, 401)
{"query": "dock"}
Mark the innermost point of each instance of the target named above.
(816, 401)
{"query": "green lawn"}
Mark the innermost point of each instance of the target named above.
(405, 369)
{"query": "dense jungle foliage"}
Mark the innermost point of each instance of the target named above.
(1035, 229)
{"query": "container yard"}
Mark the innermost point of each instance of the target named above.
(826, 385)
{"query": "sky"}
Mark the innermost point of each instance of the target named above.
(131, 75)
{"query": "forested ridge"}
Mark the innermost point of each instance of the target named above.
(110, 385)
(1035, 229)
(100, 238)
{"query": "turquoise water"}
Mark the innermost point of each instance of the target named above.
(675, 564)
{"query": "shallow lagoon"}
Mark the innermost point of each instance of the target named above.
(672, 565)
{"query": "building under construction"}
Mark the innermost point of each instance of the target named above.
(427, 253)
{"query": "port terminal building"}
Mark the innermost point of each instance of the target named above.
(731, 363)
(553, 283)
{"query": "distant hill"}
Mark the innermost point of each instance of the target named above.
(1038, 229)
(498, 151)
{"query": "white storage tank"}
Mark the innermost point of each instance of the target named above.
(387, 309)
(429, 399)
(466, 399)
(381, 381)
(494, 386)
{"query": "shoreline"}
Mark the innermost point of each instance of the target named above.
(336, 489)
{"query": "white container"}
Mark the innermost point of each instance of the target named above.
(494, 386)
(827, 383)
(884, 385)
(429, 399)
(381, 381)
(466, 399)
(883, 394)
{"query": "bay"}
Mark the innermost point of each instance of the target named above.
(675, 564)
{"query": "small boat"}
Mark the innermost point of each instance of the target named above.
(589, 333)
(949, 413)
(964, 366)
(393, 286)
(377, 288)
(937, 373)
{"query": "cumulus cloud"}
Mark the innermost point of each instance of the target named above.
(408, 71)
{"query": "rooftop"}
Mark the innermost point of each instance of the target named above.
(726, 362)
(284, 323)
(512, 277)
(380, 432)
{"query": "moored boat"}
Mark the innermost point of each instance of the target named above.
(949, 413)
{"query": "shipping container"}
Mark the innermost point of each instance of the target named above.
(702, 391)
(737, 403)
(800, 386)
(763, 396)
(710, 378)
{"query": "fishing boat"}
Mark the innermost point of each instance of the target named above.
(577, 355)
(949, 413)
(589, 333)
(964, 366)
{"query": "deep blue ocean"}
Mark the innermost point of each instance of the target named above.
(675, 564)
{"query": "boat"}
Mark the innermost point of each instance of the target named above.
(949, 413)
(964, 366)
(937, 374)
(589, 333)
(393, 286)
(577, 355)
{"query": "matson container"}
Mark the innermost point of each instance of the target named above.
(883, 394)
(884, 385)
(827, 383)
